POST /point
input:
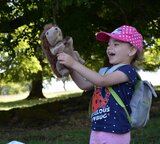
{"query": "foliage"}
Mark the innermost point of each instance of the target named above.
(21, 22)
(152, 56)
(13, 88)
(20, 62)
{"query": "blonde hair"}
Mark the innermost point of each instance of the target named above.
(138, 59)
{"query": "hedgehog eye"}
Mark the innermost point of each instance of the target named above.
(46, 33)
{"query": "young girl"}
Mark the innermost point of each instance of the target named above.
(109, 123)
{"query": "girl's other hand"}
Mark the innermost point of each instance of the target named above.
(65, 59)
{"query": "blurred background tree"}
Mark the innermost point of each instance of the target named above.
(21, 22)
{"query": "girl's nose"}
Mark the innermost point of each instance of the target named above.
(109, 47)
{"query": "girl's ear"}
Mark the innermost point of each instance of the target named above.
(132, 51)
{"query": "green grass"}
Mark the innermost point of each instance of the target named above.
(10, 102)
(69, 133)
(48, 136)
(77, 135)
(149, 134)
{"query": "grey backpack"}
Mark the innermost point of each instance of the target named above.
(141, 100)
(141, 103)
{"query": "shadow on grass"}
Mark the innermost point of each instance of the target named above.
(43, 112)
(64, 122)
(24, 103)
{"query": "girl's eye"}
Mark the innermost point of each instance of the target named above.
(113, 44)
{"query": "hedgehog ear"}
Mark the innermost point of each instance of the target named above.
(48, 26)
(55, 25)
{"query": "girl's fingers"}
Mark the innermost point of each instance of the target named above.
(60, 56)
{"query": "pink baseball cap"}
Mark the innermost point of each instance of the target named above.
(124, 33)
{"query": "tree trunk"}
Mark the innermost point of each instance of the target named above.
(36, 90)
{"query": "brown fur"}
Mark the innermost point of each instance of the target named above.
(65, 45)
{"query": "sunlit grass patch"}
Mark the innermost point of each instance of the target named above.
(20, 101)
(13, 98)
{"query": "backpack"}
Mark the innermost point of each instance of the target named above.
(140, 102)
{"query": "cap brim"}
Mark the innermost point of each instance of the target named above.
(104, 37)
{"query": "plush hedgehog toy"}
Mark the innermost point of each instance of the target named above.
(52, 43)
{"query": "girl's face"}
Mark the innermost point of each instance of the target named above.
(119, 52)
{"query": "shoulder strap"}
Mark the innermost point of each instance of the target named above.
(119, 101)
(113, 68)
(150, 87)
(116, 97)
(107, 70)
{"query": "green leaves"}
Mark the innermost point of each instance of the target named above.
(21, 23)
(152, 56)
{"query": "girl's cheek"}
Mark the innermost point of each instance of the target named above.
(106, 51)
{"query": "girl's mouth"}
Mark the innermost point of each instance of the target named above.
(111, 54)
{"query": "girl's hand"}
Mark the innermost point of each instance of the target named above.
(65, 59)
